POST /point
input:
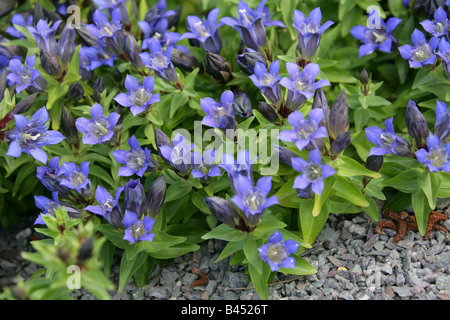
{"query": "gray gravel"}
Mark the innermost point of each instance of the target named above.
(352, 262)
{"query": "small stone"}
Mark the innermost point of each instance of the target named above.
(403, 291)
(23, 234)
(444, 295)
(418, 290)
(370, 243)
(205, 295)
(443, 282)
(357, 229)
(345, 295)
(349, 257)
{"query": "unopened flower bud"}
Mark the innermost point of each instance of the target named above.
(25, 104)
(267, 111)
(2, 85)
(135, 198)
(417, 125)
(242, 104)
(374, 163)
(76, 91)
(85, 252)
(162, 139)
(339, 116)
(97, 87)
(246, 61)
(50, 64)
(341, 142)
(364, 77)
(68, 127)
(217, 67)
(320, 102)
(38, 13)
(156, 196)
(132, 50)
(285, 154)
(184, 60)
(223, 210)
(115, 218)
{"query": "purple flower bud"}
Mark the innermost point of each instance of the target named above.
(341, 142)
(50, 64)
(285, 154)
(218, 67)
(268, 111)
(68, 127)
(223, 210)
(76, 91)
(339, 116)
(184, 60)
(135, 198)
(247, 60)
(242, 104)
(417, 125)
(374, 163)
(320, 102)
(156, 196)
(442, 124)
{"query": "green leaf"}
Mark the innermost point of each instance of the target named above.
(230, 248)
(430, 186)
(311, 226)
(372, 209)
(319, 201)
(350, 167)
(267, 225)
(421, 210)
(177, 190)
(259, 279)
(226, 233)
(302, 267)
(175, 251)
(128, 268)
(373, 101)
(405, 181)
(252, 254)
(347, 190)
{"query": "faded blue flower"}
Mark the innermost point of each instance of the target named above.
(376, 38)
(268, 81)
(136, 160)
(138, 98)
(387, 141)
(313, 172)
(437, 157)
(304, 131)
(276, 252)
(301, 85)
(136, 229)
(99, 129)
(30, 136)
(309, 31)
(440, 26)
(422, 53)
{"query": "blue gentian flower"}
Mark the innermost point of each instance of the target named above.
(241, 166)
(277, 252)
(313, 172)
(138, 98)
(99, 129)
(309, 31)
(204, 167)
(19, 20)
(137, 161)
(108, 4)
(444, 53)
(47, 206)
(437, 157)
(387, 141)
(440, 26)
(30, 136)
(304, 131)
(268, 81)
(376, 39)
(252, 200)
(105, 201)
(48, 177)
(159, 61)
(74, 177)
(178, 155)
(136, 229)
(44, 34)
(442, 123)
(135, 199)
(25, 76)
(219, 115)
(422, 53)
(205, 31)
(249, 23)
(301, 85)
(92, 58)
(108, 32)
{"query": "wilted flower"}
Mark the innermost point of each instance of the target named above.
(309, 31)
(137, 161)
(99, 129)
(219, 115)
(30, 136)
(242, 104)
(304, 131)
(301, 85)
(204, 167)
(437, 158)
(416, 124)
(205, 31)
(387, 141)
(178, 154)
(252, 200)
(277, 252)
(268, 81)
(313, 172)
(138, 98)
(376, 38)
(440, 26)
(136, 229)
(422, 53)
(159, 61)
(223, 210)
(26, 76)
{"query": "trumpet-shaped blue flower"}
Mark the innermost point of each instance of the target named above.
(304, 131)
(253, 200)
(205, 31)
(241, 166)
(19, 20)
(444, 53)
(268, 81)
(442, 123)
(219, 115)
(137, 161)
(108, 4)
(276, 252)
(25, 76)
(178, 155)
(309, 31)
(422, 53)
(106, 202)
(159, 61)
(313, 172)
(387, 141)
(301, 85)
(437, 157)
(138, 98)
(30, 136)
(136, 229)
(44, 34)
(103, 27)
(204, 167)
(99, 129)
(440, 26)
(376, 38)
(74, 177)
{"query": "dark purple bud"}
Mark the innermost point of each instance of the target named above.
(25, 104)
(184, 60)
(442, 123)
(172, 20)
(86, 37)
(417, 125)
(374, 163)
(242, 104)
(446, 67)
(223, 210)
(341, 143)
(246, 61)
(85, 252)
(218, 67)
(115, 218)
(38, 13)
(97, 87)
(320, 102)
(268, 111)
(132, 50)
(76, 91)
(295, 101)
(68, 127)
(156, 196)
(135, 198)
(364, 77)
(285, 154)
(308, 44)
(66, 45)
(50, 64)
(2, 85)
(339, 116)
